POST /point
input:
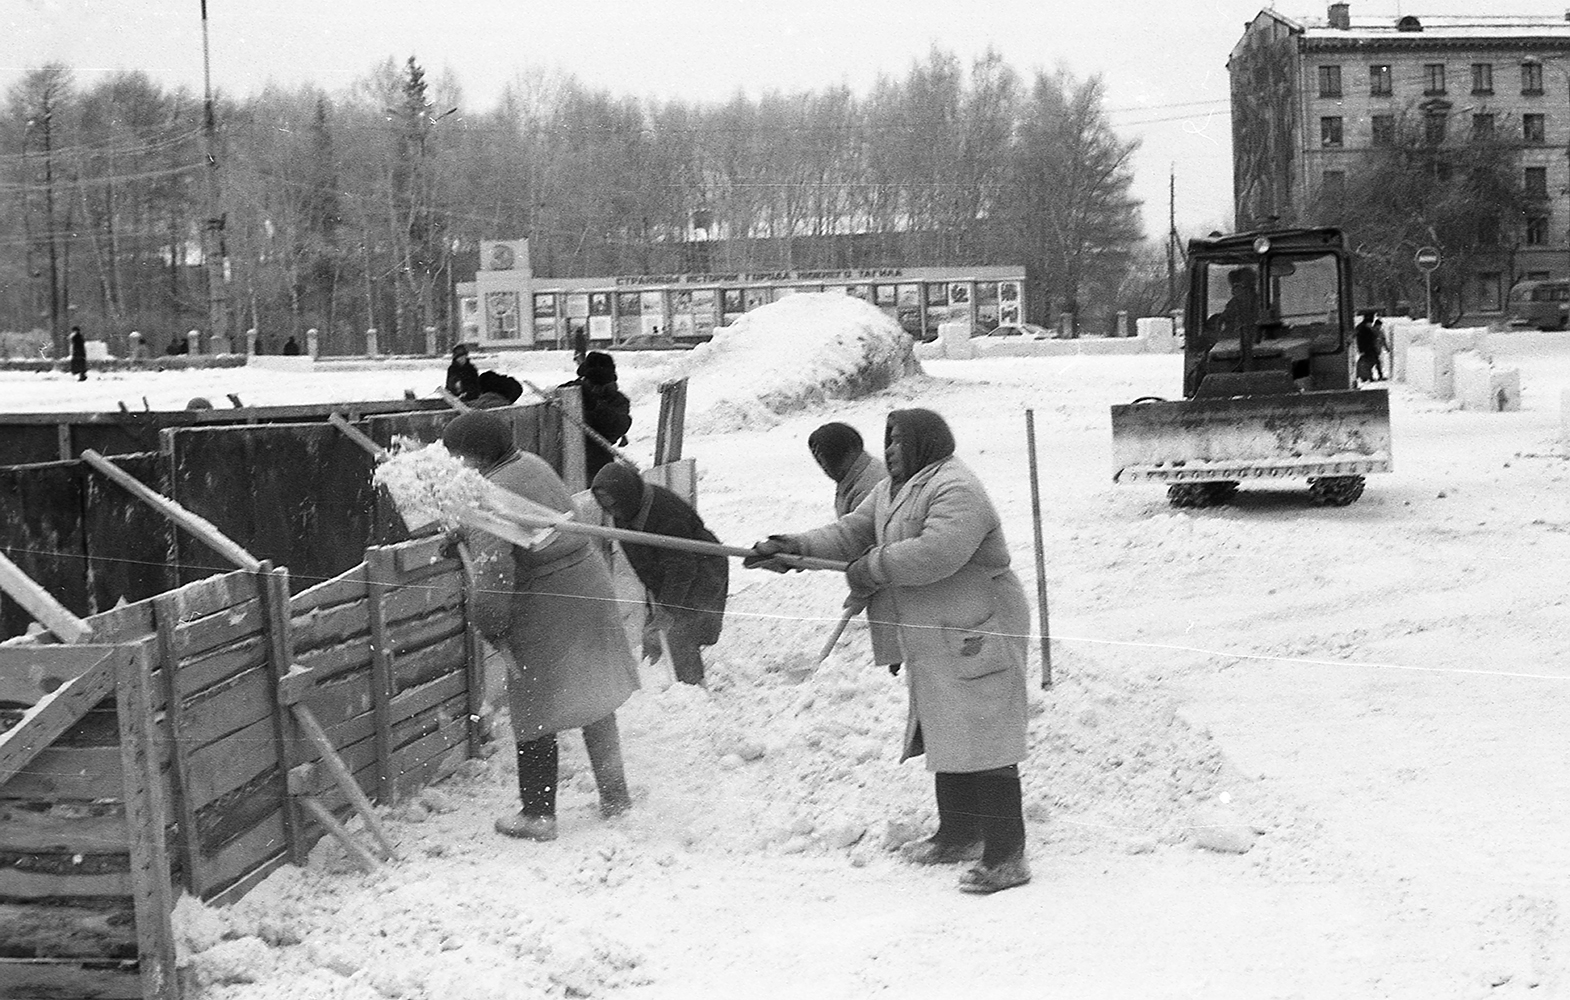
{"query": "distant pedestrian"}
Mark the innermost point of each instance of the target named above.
(551, 611)
(605, 409)
(78, 354)
(688, 589)
(928, 556)
(1371, 345)
(463, 379)
(290, 347)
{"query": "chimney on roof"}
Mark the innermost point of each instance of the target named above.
(1341, 16)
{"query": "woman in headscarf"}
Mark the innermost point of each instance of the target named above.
(688, 589)
(552, 612)
(929, 559)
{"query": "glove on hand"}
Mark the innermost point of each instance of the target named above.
(859, 575)
(763, 553)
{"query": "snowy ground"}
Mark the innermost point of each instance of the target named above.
(1380, 691)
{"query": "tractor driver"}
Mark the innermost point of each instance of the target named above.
(1240, 316)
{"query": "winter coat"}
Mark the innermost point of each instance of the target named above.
(857, 483)
(687, 587)
(78, 354)
(553, 612)
(463, 380)
(609, 412)
(962, 621)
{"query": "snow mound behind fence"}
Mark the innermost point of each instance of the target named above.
(789, 355)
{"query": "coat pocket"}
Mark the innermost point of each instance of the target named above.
(977, 651)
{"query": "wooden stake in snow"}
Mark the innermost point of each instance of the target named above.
(202, 528)
(41, 604)
(1041, 559)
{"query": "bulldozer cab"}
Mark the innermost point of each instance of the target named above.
(1267, 314)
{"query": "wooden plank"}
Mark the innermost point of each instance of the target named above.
(235, 814)
(342, 658)
(126, 543)
(431, 758)
(354, 434)
(200, 527)
(67, 979)
(166, 617)
(222, 766)
(280, 660)
(416, 700)
(428, 630)
(68, 773)
(126, 623)
(337, 623)
(29, 673)
(62, 827)
(334, 700)
(418, 599)
(192, 638)
(228, 707)
(358, 851)
(422, 665)
(41, 604)
(58, 711)
(346, 586)
(235, 890)
(417, 727)
(473, 665)
(241, 856)
(91, 929)
(39, 885)
(144, 812)
(378, 573)
(421, 553)
(216, 667)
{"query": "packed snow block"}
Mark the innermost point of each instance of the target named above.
(955, 338)
(1403, 334)
(1418, 367)
(1480, 385)
(1159, 334)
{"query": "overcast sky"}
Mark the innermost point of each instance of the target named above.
(1164, 61)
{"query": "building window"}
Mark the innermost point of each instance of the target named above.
(1487, 295)
(1533, 128)
(1482, 78)
(1537, 230)
(1434, 127)
(1333, 191)
(1330, 131)
(1384, 130)
(1433, 78)
(1482, 127)
(1536, 182)
(1532, 78)
(1330, 81)
(1379, 81)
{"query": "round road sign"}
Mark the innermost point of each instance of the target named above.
(1427, 258)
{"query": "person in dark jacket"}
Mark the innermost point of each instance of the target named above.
(291, 346)
(839, 452)
(463, 379)
(605, 409)
(551, 611)
(688, 588)
(927, 555)
(78, 354)
(496, 390)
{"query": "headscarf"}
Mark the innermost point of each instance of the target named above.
(925, 438)
(835, 443)
(484, 436)
(626, 491)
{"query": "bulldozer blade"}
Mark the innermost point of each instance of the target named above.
(1213, 439)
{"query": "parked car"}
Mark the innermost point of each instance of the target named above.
(1021, 331)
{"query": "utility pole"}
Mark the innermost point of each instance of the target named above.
(55, 334)
(212, 232)
(1172, 238)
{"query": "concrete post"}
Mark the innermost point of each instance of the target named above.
(430, 341)
(250, 340)
(313, 342)
(371, 349)
(1123, 323)
(1066, 324)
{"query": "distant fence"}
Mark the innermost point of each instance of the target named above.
(298, 494)
(178, 751)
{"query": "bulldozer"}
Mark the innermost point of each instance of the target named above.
(1269, 391)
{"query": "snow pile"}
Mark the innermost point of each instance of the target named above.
(789, 355)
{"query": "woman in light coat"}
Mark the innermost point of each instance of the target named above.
(930, 559)
(552, 613)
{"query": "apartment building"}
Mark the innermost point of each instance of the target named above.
(1310, 96)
